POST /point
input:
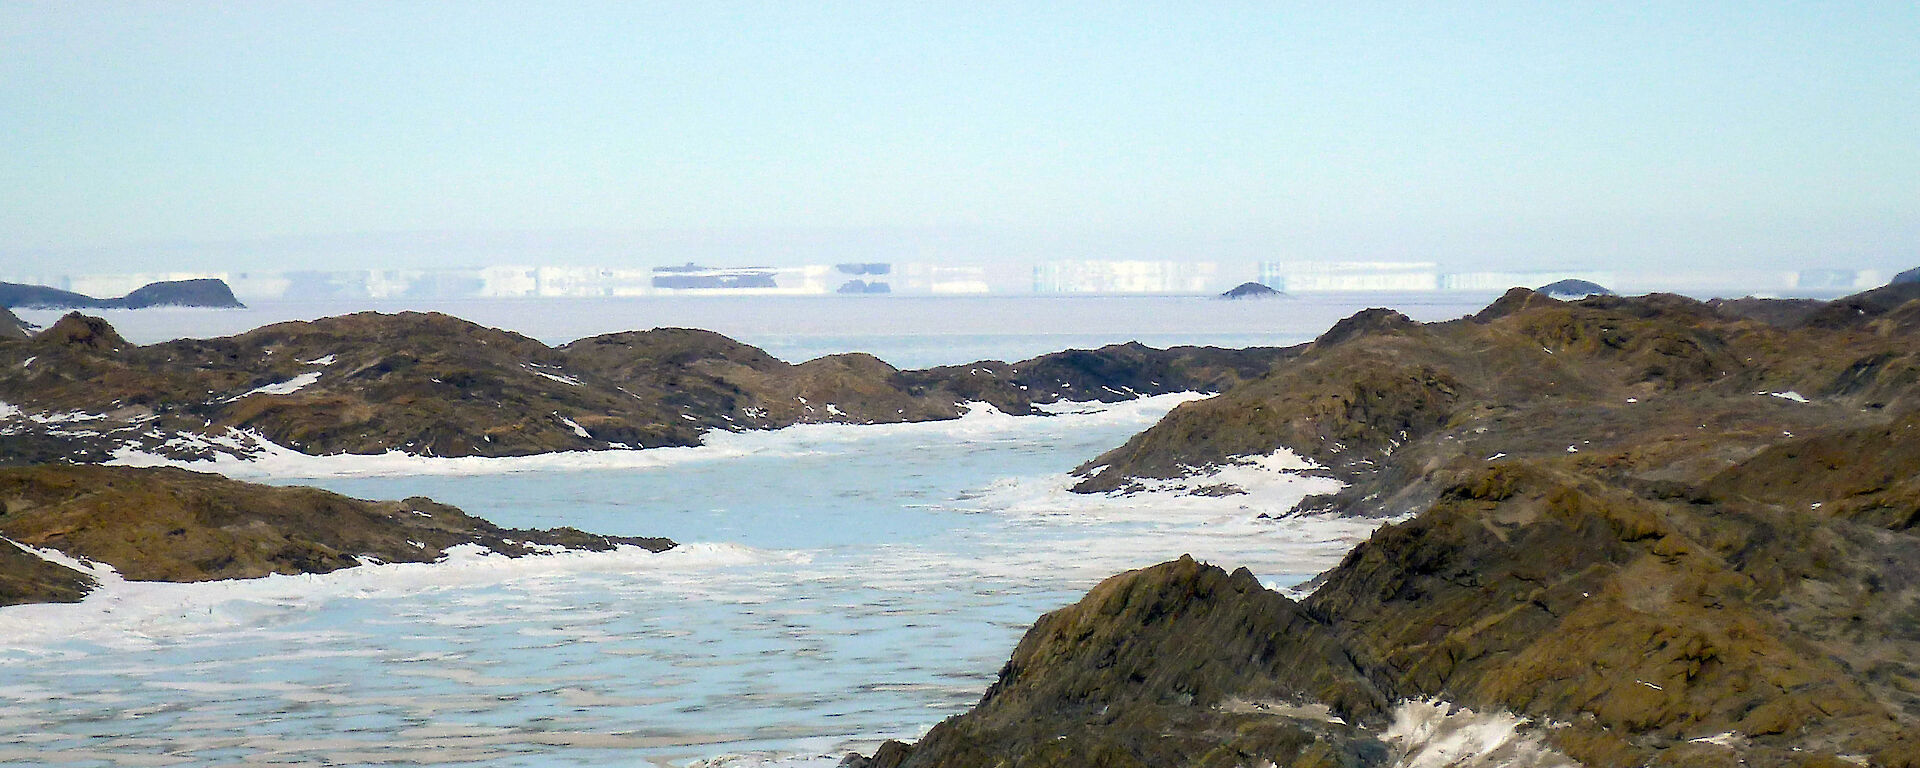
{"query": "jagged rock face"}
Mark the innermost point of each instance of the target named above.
(429, 384)
(174, 525)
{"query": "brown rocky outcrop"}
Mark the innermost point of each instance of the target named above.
(1674, 388)
(1181, 664)
(433, 385)
(1669, 533)
(77, 330)
(1641, 624)
(175, 525)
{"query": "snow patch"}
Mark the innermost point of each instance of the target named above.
(577, 429)
(567, 380)
(1729, 740)
(328, 360)
(1429, 733)
(1252, 475)
(287, 387)
(1787, 395)
(101, 573)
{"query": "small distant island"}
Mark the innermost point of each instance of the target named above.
(1573, 289)
(204, 292)
(1250, 290)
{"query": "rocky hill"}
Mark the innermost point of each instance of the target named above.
(174, 525)
(1642, 531)
(434, 385)
(204, 292)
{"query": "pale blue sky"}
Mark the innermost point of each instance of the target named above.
(226, 135)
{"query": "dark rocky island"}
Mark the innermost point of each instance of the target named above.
(175, 525)
(1250, 290)
(1663, 532)
(204, 292)
(1573, 289)
(434, 385)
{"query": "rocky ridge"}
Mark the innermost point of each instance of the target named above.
(434, 385)
(173, 525)
(1663, 532)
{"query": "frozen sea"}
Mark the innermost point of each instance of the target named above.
(836, 585)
